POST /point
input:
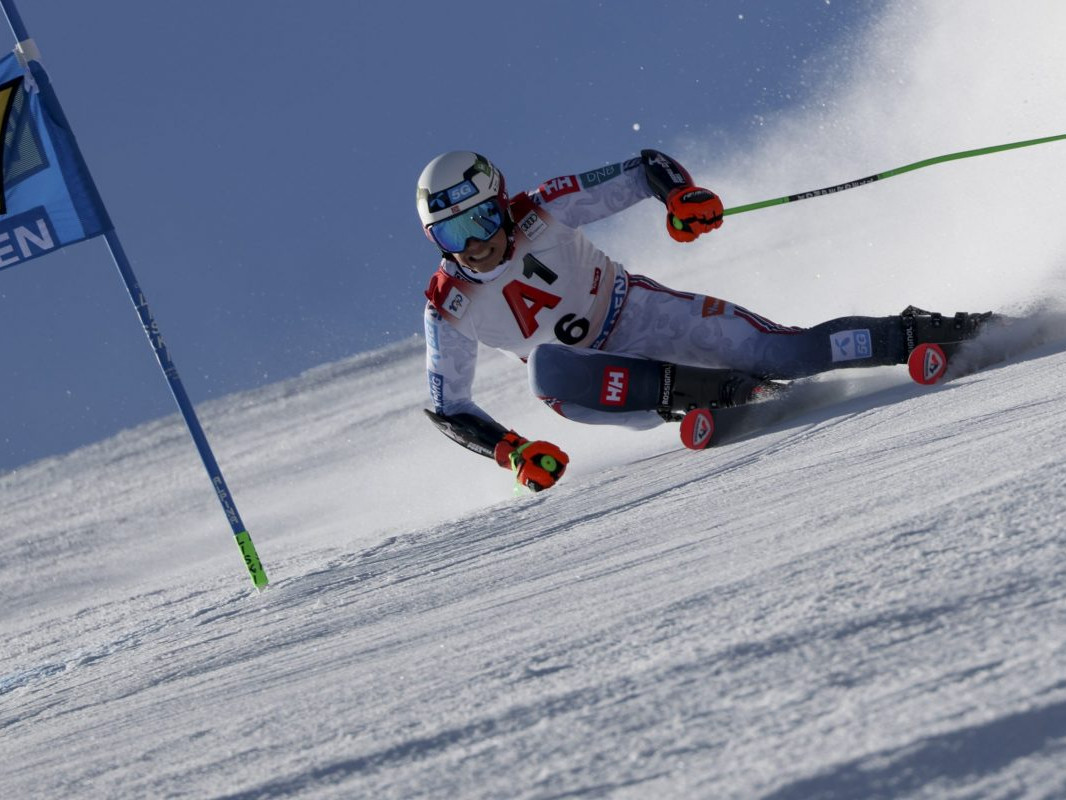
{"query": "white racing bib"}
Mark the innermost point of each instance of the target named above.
(557, 287)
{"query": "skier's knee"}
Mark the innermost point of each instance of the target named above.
(551, 370)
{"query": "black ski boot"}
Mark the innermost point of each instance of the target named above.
(933, 340)
(685, 388)
(928, 327)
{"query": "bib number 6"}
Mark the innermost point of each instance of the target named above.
(571, 329)
(526, 302)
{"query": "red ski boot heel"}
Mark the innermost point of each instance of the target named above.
(697, 429)
(927, 364)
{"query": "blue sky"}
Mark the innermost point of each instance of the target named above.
(259, 164)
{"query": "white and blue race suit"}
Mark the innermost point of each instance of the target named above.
(557, 287)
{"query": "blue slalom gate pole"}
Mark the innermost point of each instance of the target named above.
(28, 53)
(151, 329)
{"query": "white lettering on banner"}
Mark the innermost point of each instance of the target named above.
(7, 252)
(25, 236)
(43, 239)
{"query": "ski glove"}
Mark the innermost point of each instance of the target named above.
(536, 465)
(691, 211)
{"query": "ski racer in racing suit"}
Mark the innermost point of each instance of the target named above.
(518, 273)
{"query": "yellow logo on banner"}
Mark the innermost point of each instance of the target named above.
(8, 95)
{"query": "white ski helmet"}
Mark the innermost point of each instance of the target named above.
(454, 183)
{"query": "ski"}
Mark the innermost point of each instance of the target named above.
(702, 428)
(953, 349)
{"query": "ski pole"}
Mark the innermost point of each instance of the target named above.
(840, 187)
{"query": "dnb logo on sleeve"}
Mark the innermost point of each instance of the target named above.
(851, 345)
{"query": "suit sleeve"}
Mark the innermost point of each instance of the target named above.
(586, 197)
(451, 362)
(589, 196)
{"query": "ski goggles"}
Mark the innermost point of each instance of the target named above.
(480, 222)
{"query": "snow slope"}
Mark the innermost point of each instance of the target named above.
(866, 600)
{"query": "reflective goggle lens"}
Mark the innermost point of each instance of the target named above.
(480, 222)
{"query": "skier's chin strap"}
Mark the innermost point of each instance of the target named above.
(509, 226)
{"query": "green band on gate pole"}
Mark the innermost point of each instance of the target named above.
(891, 173)
(251, 559)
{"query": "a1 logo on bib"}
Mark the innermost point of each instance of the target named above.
(927, 364)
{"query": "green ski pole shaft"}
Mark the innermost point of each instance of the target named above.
(928, 162)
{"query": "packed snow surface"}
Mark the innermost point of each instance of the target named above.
(866, 599)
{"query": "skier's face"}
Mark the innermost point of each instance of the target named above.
(484, 256)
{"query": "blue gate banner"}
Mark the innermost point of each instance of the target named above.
(48, 199)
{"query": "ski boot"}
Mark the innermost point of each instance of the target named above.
(692, 393)
(686, 388)
(932, 339)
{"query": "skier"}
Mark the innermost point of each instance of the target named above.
(518, 275)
